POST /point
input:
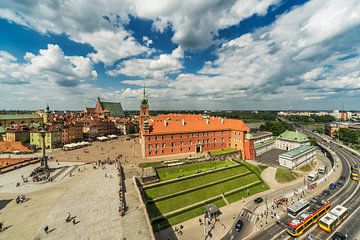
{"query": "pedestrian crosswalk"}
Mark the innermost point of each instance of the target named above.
(247, 215)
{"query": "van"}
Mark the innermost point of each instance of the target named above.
(322, 169)
(313, 176)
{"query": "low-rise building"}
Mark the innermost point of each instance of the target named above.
(52, 138)
(297, 157)
(18, 134)
(289, 140)
(263, 142)
(11, 120)
(71, 133)
(97, 128)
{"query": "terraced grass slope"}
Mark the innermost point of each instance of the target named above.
(189, 169)
(176, 201)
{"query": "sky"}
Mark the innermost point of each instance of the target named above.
(198, 54)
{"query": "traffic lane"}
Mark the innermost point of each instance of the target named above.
(246, 230)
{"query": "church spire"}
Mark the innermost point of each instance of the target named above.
(144, 100)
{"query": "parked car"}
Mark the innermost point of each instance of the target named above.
(326, 193)
(316, 199)
(339, 236)
(239, 224)
(258, 200)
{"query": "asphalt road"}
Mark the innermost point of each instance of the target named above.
(348, 195)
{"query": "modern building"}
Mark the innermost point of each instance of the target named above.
(297, 157)
(112, 109)
(52, 137)
(289, 140)
(172, 134)
(11, 120)
(263, 142)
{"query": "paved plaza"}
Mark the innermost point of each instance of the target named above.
(87, 194)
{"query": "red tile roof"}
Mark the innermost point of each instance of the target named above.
(177, 123)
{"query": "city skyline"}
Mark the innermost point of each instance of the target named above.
(259, 55)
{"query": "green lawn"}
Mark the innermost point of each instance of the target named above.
(255, 168)
(171, 204)
(149, 164)
(164, 223)
(189, 169)
(244, 193)
(222, 152)
(169, 188)
(285, 175)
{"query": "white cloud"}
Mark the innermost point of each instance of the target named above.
(98, 23)
(196, 23)
(157, 68)
(112, 45)
(49, 65)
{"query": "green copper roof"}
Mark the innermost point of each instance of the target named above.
(297, 151)
(18, 116)
(294, 136)
(114, 108)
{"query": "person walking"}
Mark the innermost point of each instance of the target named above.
(46, 229)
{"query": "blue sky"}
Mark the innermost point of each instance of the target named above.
(238, 54)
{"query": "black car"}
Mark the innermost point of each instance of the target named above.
(316, 199)
(339, 236)
(258, 200)
(239, 224)
(326, 193)
(340, 182)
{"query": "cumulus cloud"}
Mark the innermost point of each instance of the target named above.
(49, 65)
(196, 24)
(98, 23)
(151, 68)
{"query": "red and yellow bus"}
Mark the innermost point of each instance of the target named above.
(298, 226)
(333, 218)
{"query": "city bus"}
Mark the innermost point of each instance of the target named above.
(333, 218)
(355, 172)
(299, 225)
(297, 208)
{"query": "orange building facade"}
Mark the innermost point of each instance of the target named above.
(172, 134)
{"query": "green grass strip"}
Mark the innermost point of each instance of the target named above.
(171, 204)
(168, 173)
(166, 189)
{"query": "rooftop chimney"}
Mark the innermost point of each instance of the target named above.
(183, 122)
(207, 121)
(166, 123)
(222, 121)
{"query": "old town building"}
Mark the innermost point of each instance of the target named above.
(11, 120)
(171, 134)
(111, 109)
(52, 137)
(71, 133)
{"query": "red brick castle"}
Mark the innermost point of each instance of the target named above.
(171, 134)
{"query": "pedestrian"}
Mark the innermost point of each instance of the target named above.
(234, 216)
(260, 224)
(46, 229)
(74, 222)
(1, 226)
